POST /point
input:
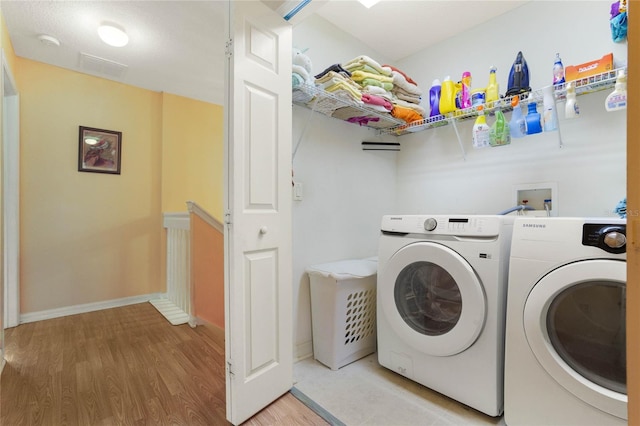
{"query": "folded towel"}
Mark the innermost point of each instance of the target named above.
(406, 114)
(408, 98)
(362, 60)
(373, 100)
(335, 68)
(415, 107)
(365, 68)
(406, 77)
(373, 82)
(361, 75)
(400, 81)
(346, 89)
(330, 76)
(377, 90)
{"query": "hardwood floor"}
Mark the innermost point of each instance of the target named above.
(122, 366)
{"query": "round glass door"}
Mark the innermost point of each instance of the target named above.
(574, 320)
(428, 298)
(432, 298)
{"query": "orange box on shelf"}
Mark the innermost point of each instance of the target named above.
(588, 69)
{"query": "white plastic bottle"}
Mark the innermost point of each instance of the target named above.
(571, 109)
(480, 136)
(549, 116)
(617, 100)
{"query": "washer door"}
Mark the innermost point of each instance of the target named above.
(432, 298)
(574, 320)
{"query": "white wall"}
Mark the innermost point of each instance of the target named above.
(590, 169)
(346, 190)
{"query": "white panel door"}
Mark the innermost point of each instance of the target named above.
(258, 272)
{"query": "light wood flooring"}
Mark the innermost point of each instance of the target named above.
(122, 366)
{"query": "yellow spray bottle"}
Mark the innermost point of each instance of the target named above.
(493, 89)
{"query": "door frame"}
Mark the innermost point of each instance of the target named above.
(11, 197)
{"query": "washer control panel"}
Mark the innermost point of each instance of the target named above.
(471, 226)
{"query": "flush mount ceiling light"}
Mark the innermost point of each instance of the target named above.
(113, 35)
(49, 40)
(368, 3)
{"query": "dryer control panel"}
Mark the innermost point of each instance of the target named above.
(469, 226)
(611, 238)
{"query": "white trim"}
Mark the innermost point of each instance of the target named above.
(204, 215)
(304, 350)
(178, 220)
(87, 307)
(11, 190)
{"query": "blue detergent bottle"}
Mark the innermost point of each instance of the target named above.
(434, 98)
(517, 125)
(533, 118)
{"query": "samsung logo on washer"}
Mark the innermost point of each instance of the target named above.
(534, 225)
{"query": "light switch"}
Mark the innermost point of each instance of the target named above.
(297, 191)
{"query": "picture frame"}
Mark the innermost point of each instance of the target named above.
(99, 150)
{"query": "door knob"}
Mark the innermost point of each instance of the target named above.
(263, 230)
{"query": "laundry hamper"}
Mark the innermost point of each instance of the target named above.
(343, 310)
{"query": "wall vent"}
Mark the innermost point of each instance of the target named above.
(94, 64)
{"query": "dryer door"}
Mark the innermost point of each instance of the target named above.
(432, 298)
(574, 320)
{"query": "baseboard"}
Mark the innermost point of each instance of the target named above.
(87, 307)
(216, 330)
(304, 350)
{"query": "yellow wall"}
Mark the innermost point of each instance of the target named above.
(86, 237)
(192, 152)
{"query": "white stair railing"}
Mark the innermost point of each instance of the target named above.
(177, 306)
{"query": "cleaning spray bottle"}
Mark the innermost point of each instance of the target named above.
(465, 90)
(571, 109)
(447, 96)
(558, 70)
(480, 136)
(434, 98)
(549, 115)
(617, 100)
(533, 117)
(499, 132)
(492, 92)
(517, 125)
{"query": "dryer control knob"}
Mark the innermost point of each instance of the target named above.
(430, 224)
(615, 239)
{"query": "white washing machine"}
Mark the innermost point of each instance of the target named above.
(565, 338)
(441, 303)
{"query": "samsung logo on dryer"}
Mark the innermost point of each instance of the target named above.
(534, 225)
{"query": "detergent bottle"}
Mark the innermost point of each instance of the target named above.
(571, 109)
(499, 133)
(465, 90)
(480, 136)
(549, 117)
(492, 91)
(558, 71)
(434, 98)
(447, 96)
(617, 100)
(517, 125)
(533, 117)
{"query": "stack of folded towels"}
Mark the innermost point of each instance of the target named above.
(407, 96)
(363, 81)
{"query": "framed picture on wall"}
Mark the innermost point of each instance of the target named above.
(99, 150)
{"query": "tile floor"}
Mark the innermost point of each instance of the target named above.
(365, 393)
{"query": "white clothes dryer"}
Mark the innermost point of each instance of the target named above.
(441, 303)
(565, 361)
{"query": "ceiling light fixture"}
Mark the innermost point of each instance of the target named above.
(113, 35)
(49, 40)
(368, 3)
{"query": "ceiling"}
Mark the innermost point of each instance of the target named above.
(178, 46)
